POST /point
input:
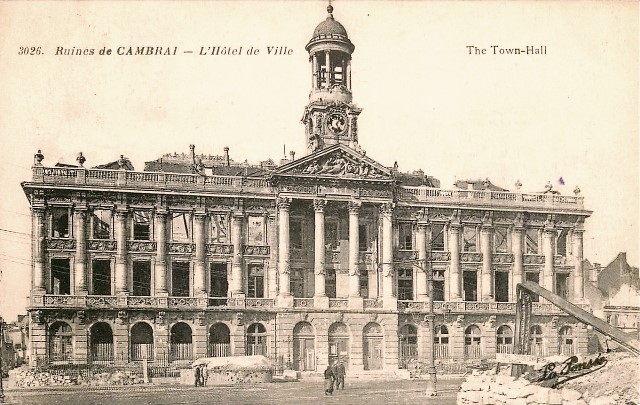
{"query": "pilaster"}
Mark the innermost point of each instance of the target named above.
(516, 246)
(237, 220)
(160, 267)
(80, 263)
(486, 238)
(354, 248)
(578, 274)
(38, 233)
(455, 282)
(320, 299)
(388, 273)
(200, 271)
(121, 215)
(423, 268)
(284, 267)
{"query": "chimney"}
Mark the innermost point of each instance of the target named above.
(192, 148)
(595, 272)
(226, 156)
(293, 155)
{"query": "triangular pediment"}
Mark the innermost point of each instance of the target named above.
(336, 161)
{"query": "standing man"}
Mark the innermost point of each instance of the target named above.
(197, 375)
(340, 374)
(329, 378)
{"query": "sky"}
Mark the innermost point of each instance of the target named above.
(427, 103)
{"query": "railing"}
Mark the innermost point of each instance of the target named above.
(538, 349)
(566, 349)
(440, 350)
(491, 198)
(219, 350)
(140, 351)
(181, 351)
(101, 352)
(472, 351)
(504, 348)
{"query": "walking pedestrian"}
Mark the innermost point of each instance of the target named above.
(205, 375)
(329, 378)
(340, 374)
(197, 375)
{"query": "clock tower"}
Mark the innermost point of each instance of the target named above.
(330, 117)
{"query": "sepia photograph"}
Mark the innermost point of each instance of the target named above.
(310, 202)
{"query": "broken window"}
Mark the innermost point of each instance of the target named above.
(470, 285)
(61, 276)
(219, 282)
(363, 237)
(438, 285)
(102, 224)
(500, 244)
(405, 284)
(364, 284)
(60, 223)
(141, 225)
(295, 233)
(562, 285)
(331, 235)
(297, 283)
(180, 279)
(142, 278)
(469, 239)
(437, 237)
(255, 232)
(561, 242)
(502, 286)
(533, 276)
(405, 231)
(256, 281)
(532, 241)
(101, 277)
(219, 228)
(180, 226)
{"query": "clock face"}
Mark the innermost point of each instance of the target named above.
(337, 123)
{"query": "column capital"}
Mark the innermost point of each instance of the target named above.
(455, 226)
(354, 206)
(283, 203)
(160, 211)
(423, 226)
(319, 204)
(387, 208)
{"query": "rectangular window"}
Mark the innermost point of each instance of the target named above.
(531, 241)
(364, 283)
(102, 224)
(330, 283)
(363, 237)
(561, 242)
(295, 233)
(405, 284)
(470, 285)
(405, 231)
(101, 277)
(61, 276)
(297, 283)
(141, 225)
(502, 286)
(535, 277)
(437, 237)
(60, 223)
(562, 285)
(256, 281)
(438, 290)
(331, 235)
(255, 231)
(219, 283)
(219, 229)
(142, 279)
(500, 244)
(469, 239)
(180, 226)
(180, 279)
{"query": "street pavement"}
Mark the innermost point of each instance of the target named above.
(303, 392)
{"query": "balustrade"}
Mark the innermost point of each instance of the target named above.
(303, 302)
(338, 303)
(101, 301)
(61, 244)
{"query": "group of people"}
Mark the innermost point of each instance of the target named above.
(334, 377)
(201, 373)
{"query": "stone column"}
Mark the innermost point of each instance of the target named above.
(548, 236)
(349, 74)
(354, 248)
(320, 296)
(516, 247)
(160, 268)
(37, 248)
(578, 276)
(389, 301)
(80, 262)
(314, 71)
(272, 268)
(199, 265)
(121, 250)
(236, 263)
(422, 269)
(328, 72)
(284, 267)
(486, 238)
(454, 269)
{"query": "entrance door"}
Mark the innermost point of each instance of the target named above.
(304, 355)
(373, 353)
(339, 351)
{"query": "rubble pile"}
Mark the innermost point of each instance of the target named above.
(25, 378)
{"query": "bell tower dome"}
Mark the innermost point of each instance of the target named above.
(330, 117)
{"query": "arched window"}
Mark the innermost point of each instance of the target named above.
(504, 339)
(537, 341)
(181, 342)
(338, 339)
(60, 342)
(256, 339)
(141, 341)
(304, 357)
(408, 344)
(101, 343)
(441, 342)
(566, 342)
(219, 341)
(472, 342)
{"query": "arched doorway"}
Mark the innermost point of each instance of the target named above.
(441, 342)
(101, 341)
(504, 339)
(537, 341)
(60, 342)
(304, 354)
(219, 341)
(408, 344)
(566, 341)
(256, 339)
(372, 347)
(338, 343)
(141, 341)
(472, 342)
(181, 342)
